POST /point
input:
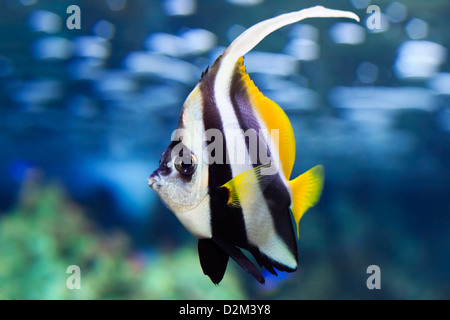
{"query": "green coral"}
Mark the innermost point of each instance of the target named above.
(46, 232)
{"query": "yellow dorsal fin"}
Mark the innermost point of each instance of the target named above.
(274, 118)
(306, 191)
(247, 186)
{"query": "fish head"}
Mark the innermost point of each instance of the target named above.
(181, 180)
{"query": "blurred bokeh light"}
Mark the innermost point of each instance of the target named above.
(85, 115)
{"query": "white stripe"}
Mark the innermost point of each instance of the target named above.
(258, 219)
(197, 220)
(192, 120)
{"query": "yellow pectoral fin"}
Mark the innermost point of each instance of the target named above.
(248, 186)
(306, 191)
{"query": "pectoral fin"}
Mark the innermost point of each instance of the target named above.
(306, 191)
(248, 186)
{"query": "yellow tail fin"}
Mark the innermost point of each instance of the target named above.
(306, 190)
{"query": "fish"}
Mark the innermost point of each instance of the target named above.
(226, 172)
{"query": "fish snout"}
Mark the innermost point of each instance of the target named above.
(154, 180)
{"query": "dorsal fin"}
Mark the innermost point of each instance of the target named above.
(273, 116)
(204, 72)
(253, 35)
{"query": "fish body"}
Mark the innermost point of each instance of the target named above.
(226, 173)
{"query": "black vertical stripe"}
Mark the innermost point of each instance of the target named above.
(244, 111)
(227, 223)
(275, 194)
(219, 174)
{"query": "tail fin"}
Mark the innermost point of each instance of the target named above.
(306, 191)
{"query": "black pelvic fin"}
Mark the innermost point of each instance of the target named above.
(237, 255)
(213, 259)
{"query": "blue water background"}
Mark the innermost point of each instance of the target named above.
(94, 108)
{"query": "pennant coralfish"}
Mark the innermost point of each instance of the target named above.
(226, 173)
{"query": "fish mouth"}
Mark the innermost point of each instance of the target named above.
(153, 180)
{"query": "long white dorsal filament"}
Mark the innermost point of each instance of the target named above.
(253, 35)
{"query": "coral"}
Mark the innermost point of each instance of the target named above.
(46, 232)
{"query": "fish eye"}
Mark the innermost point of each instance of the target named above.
(186, 165)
